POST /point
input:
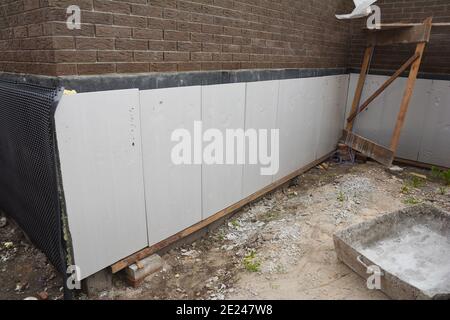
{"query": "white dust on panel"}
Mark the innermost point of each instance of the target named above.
(173, 189)
(223, 107)
(261, 113)
(100, 153)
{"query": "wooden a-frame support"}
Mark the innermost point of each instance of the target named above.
(419, 34)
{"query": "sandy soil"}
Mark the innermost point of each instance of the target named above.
(279, 247)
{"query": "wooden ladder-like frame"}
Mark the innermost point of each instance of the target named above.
(401, 34)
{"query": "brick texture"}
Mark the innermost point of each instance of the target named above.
(437, 55)
(135, 36)
(171, 35)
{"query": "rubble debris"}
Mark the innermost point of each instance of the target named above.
(418, 175)
(43, 295)
(396, 169)
(3, 222)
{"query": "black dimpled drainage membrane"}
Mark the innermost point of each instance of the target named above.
(28, 166)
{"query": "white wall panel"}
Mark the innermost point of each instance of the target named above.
(223, 107)
(298, 114)
(101, 162)
(330, 126)
(435, 147)
(413, 129)
(424, 136)
(173, 192)
(261, 113)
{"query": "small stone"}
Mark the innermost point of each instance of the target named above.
(43, 295)
(8, 245)
(3, 222)
(396, 169)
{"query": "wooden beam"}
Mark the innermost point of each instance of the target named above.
(418, 164)
(398, 73)
(122, 264)
(369, 148)
(411, 34)
(360, 87)
(408, 92)
(407, 25)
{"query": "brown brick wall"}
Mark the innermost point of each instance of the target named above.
(172, 35)
(437, 56)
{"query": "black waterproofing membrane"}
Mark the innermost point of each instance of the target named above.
(29, 166)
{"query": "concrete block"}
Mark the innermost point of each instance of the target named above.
(136, 273)
(98, 282)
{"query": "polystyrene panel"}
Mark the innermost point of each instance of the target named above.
(223, 107)
(99, 146)
(173, 191)
(435, 147)
(413, 128)
(261, 113)
(367, 123)
(299, 109)
(378, 121)
(332, 113)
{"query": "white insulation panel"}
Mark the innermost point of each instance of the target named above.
(425, 136)
(332, 113)
(223, 107)
(123, 190)
(100, 153)
(261, 114)
(435, 142)
(173, 192)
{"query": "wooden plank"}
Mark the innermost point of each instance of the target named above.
(362, 79)
(120, 265)
(369, 148)
(407, 25)
(402, 69)
(417, 164)
(411, 34)
(408, 92)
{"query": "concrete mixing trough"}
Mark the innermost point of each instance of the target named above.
(410, 246)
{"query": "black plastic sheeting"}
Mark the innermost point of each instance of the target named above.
(28, 166)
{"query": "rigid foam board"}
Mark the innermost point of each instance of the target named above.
(261, 113)
(100, 153)
(424, 136)
(301, 109)
(330, 126)
(173, 191)
(435, 143)
(223, 107)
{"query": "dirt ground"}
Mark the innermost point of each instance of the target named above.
(279, 247)
(24, 270)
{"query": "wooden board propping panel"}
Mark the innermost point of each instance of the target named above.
(413, 34)
(369, 148)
